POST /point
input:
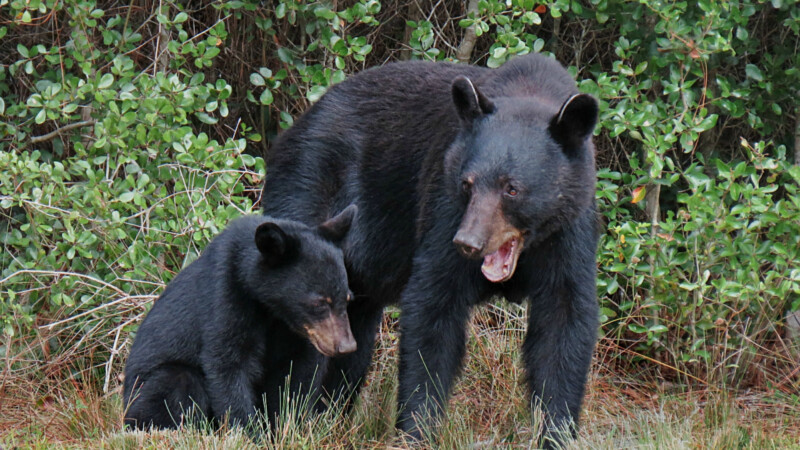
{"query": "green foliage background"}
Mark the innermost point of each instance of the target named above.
(130, 134)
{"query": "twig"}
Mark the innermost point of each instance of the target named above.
(114, 351)
(60, 273)
(56, 132)
(98, 308)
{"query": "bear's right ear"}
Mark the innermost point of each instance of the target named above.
(273, 243)
(336, 228)
(470, 102)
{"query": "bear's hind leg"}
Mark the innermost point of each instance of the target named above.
(171, 396)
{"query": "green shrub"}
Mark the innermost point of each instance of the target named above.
(130, 136)
(111, 210)
(715, 276)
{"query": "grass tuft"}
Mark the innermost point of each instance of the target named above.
(61, 403)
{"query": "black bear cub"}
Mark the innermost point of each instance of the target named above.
(266, 299)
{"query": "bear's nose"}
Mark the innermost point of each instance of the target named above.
(469, 246)
(347, 346)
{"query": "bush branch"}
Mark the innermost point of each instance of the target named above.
(57, 131)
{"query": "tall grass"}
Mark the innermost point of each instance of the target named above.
(63, 406)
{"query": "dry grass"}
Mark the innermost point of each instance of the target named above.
(66, 408)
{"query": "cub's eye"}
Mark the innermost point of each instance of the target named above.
(466, 186)
(511, 191)
(325, 301)
(349, 297)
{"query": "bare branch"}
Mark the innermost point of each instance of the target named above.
(65, 128)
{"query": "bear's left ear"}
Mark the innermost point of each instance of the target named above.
(470, 102)
(336, 228)
(574, 123)
(274, 244)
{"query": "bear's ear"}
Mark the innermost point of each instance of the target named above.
(574, 123)
(470, 102)
(336, 228)
(273, 243)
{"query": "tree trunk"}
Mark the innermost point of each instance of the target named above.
(464, 52)
(161, 60)
(412, 13)
(797, 140)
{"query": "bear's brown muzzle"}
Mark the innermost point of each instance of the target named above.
(332, 336)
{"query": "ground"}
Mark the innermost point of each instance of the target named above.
(486, 411)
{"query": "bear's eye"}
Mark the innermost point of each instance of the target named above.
(466, 186)
(325, 301)
(511, 191)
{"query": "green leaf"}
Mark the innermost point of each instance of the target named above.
(181, 17)
(266, 97)
(315, 93)
(286, 120)
(754, 72)
(105, 81)
(708, 123)
(636, 328)
(205, 118)
(100, 142)
(324, 13)
(285, 55)
(257, 80)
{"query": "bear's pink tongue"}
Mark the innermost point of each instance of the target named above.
(499, 266)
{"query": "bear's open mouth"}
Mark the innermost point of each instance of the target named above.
(500, 265)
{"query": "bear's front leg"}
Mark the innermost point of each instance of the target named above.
(435, 310)
(232, 395)
(347, 372)
(562, 330)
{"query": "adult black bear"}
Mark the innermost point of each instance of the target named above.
(470, 183)
(267, 297)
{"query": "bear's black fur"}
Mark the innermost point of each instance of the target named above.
(450, 165)
(267, 297)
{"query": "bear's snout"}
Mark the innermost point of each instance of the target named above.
(468, 244)
(332, 336)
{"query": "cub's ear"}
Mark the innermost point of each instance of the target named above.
(274, 244)
(470, 102)
(336, 228)
(574, 123)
